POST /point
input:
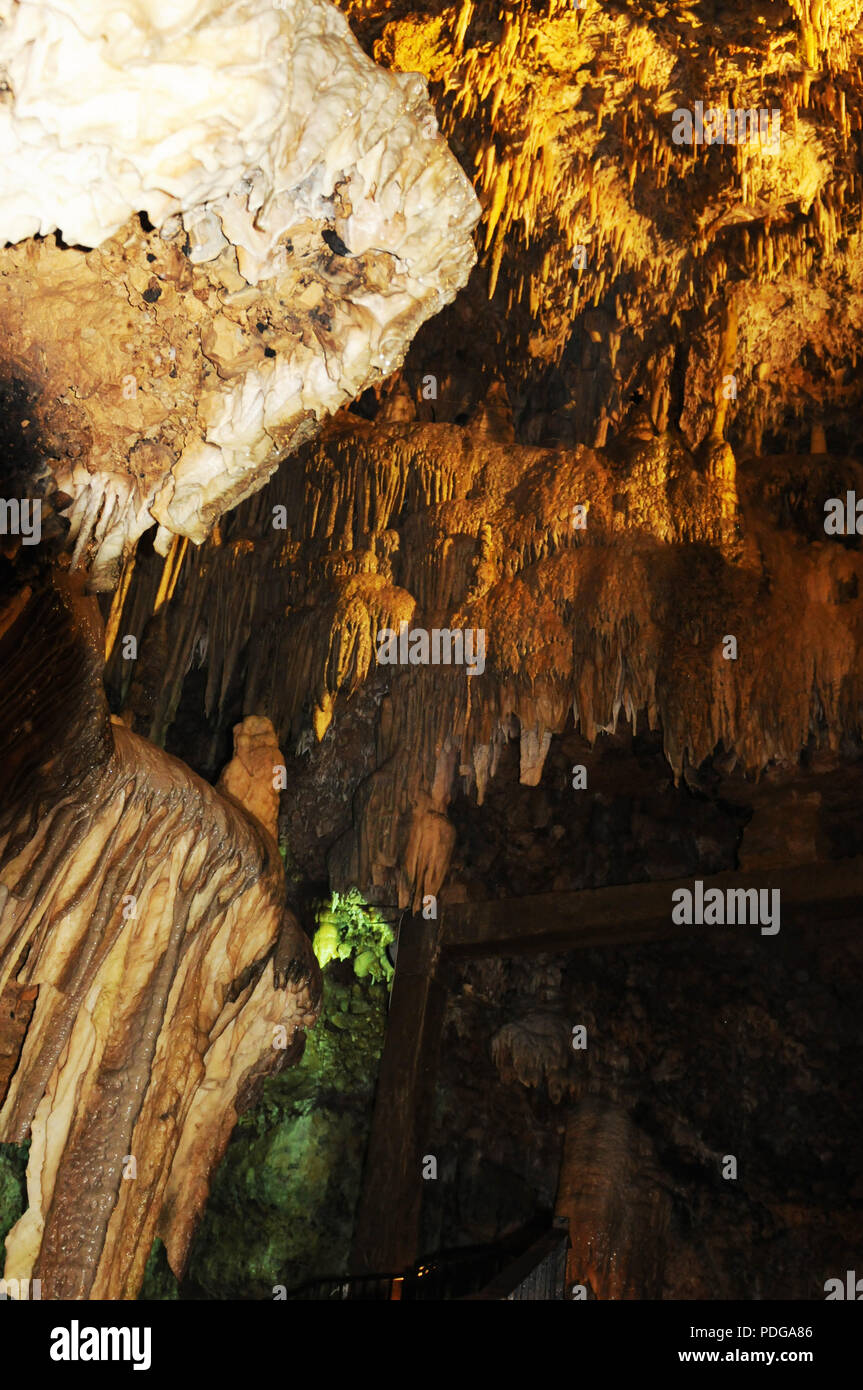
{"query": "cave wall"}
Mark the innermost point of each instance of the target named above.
(610, 454)
(712, 1051)
(726, 1044)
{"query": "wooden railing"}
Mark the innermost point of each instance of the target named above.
(539, 1275)
(490, 1273)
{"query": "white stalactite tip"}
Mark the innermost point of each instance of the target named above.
(244, 130)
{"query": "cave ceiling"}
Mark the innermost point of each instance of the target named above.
(609, 453)
(611, 256)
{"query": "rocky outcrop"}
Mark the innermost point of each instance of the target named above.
(147, 915)
(271, 217)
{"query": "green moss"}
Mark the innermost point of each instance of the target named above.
(159, 1282)
(13, 1187)
(282, 1206)
(350, 928)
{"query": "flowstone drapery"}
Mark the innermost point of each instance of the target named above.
(147, 914)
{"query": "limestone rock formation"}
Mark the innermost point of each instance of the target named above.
(600, 456)
(612, 1197)
(222, 221)
(610, 253)
(270, 215)
(146, 915)
(620, 610)
(558, 511)
(252, 775)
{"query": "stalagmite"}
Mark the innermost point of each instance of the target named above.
(252, 777)
(148, 915)
(612, 1196)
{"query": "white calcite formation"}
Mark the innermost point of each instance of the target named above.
(190, 358)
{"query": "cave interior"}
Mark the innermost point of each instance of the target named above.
(431, 609)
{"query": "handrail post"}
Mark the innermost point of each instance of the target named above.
(388, 1215)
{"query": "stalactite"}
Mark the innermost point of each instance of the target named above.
(553, 601)
(198, 363)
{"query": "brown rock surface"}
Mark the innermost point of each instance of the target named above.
(252, 775)
(144, 911)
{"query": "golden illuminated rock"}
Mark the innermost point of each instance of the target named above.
(593, 615)
(252, 777)
(147, 915)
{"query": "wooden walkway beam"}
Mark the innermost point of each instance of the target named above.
(387, 1231)
(638, 912)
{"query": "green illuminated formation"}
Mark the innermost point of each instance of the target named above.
(350, 928)
(282, 1205)
(13, 1192)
